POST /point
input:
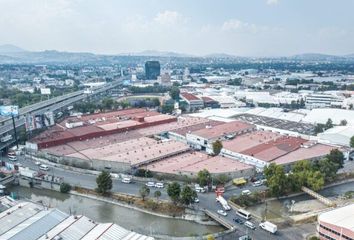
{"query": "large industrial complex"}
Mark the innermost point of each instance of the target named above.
(126, 140)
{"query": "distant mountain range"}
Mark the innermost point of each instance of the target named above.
(155, 53)
(8, 48)
(10, 54)
(321, 57)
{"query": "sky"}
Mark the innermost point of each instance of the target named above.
(239, 27)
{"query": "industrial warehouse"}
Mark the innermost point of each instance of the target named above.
(125, 140)
(27, 220)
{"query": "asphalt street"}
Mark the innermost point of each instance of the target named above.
(207, 201)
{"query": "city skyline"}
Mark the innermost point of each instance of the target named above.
(258, 28)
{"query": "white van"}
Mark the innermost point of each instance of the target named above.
(250, 225)
(43, 167)
(159, 185)
(126, 180)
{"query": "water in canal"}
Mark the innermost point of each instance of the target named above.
(106, 212)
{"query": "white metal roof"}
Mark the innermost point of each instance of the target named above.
(37, 225)
(341, 217)
(17, 215)
(321, 115)
(30, 221)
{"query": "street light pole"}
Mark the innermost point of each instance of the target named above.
(14, 126)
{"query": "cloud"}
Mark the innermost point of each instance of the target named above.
(240, 26)
(169, 18)
(236, 25)
(272, 2)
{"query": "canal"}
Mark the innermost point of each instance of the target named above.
(106, 212)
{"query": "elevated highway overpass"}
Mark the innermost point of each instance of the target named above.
(50, 105)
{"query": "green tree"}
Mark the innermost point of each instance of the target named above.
(144, 192)
(315, 180)
(65, 187)
(337, 157)
(221, 179)
(167, 108)
(174, 191)
(277, 180)
(204, 177)
(319, 128)
(107, 103)
(174, 93)
(300, 171)
(327, 168)
(352, 142)
(305, 174)
(217, 146)
(343, 122)
(124, 104)
(329, 124)
(188, 195)
(104, 182)
(157, 194)
(156, 102)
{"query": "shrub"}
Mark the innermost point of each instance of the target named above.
(143, 173)
(65, 187)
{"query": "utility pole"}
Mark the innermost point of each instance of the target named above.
(14, 126)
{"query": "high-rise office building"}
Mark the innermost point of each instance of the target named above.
(152, 70)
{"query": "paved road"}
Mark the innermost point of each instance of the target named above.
(207, 201)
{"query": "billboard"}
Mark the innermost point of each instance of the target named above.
(39, 121)
(45, 91)
(8, 110)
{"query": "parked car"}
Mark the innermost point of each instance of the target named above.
(257, 183)
(246, 192)
(222, 213)
(196, 200)
(126, 180)
(150, 184)
(250, 225)
(159, 185)
(43, 167)
(245, 237)
(238, 220)
(37, 163)
(200, 190)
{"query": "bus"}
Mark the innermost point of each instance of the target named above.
(12, 156)
(243, 213)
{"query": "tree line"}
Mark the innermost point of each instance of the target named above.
(311, 174)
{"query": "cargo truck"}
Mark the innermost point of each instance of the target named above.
(268, 226)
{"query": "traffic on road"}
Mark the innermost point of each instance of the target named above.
(244, 223)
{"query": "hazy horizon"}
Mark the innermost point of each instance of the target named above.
(259, 28)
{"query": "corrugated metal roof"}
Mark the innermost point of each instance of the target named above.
(31, 221)
(78, 229)
(59, 228)
(40, 225)
(18, 215)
